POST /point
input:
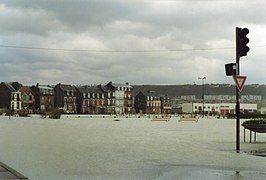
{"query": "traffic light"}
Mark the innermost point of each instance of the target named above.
(242, 41)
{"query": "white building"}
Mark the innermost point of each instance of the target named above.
(16, 101)
(263, 110)
(217, 108)
(122, 97)
(232, 98)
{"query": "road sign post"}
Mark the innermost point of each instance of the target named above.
(239, 81)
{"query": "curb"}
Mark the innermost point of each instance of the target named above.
(12, 171)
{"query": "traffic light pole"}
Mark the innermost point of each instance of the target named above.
(237, 109)
(241, 50)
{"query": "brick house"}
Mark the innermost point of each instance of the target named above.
(140, 103)
(91, 100)
(148, 102)
(109, 95)
(44, 98)
(27, 98)
(129, 103)
(166, 106)
(66, 98)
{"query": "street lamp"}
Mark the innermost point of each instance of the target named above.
(202, 85)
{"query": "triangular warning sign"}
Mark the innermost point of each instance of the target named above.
(240, 81)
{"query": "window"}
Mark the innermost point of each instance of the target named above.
(42, 107)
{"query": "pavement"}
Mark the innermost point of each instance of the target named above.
(7, 172)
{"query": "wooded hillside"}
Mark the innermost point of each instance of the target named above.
(210, 89)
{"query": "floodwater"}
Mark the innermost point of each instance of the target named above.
(133, 148)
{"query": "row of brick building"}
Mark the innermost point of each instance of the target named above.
(111, 98)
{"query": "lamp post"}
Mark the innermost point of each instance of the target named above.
(202, 91)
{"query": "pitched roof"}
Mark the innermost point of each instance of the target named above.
(44, 87)
(126, 85)
(12, 86)
(66, 87)
(9, 86)
(121, 85)
(25, 89)
(150, 93)
(89, 89)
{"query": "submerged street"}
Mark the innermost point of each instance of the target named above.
(132, 148)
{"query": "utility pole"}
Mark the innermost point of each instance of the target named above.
(202, 93)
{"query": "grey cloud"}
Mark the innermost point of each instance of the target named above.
(28, 21)
(81, 15)
(124, 25)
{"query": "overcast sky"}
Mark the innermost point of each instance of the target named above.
(140, 41)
